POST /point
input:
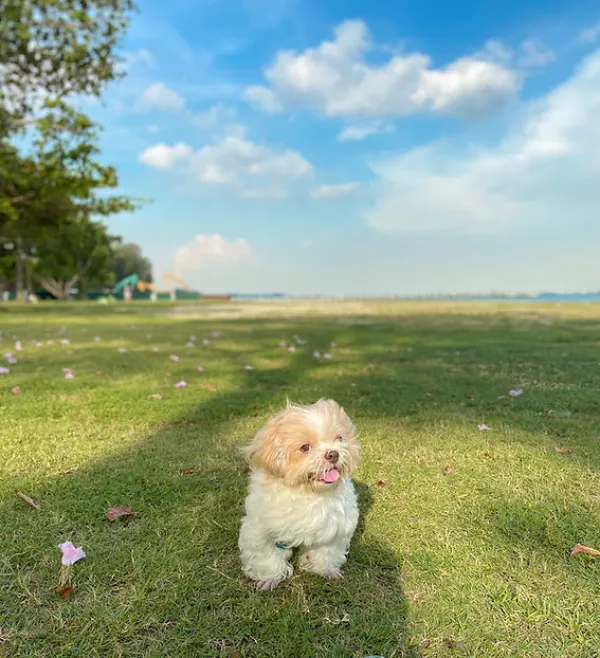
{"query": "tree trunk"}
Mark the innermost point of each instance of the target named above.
(19, 289)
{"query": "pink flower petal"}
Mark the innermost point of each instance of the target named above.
(4, 371)
(181, 384)
(69, 375)
(189, 344)
(8, 355)
(317, 355)
(482, 427)
(248, 367)
(174, 357)
(516, 392)
(16, 390)
(122, 350)
(327, 355)
(205, 341)
(64, 341)
(155, 349)
(12, 360)
(70, 554)
(200, 369)
(18, 346)
(291, 348)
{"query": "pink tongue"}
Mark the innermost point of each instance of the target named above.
(330, 476)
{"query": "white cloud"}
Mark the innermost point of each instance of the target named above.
(543, 174)
(142, 57)
(162, 156)
(534, 54)
(356, 133)
(214, 117)
(209, 251)
(247, 169)
(264, 98)
(336, 79)
(333, 191)
(590, 34)
(242, 164)
(161, 97)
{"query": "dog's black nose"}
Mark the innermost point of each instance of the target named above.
(332, 456)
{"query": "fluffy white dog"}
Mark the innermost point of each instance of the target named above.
(301, 495)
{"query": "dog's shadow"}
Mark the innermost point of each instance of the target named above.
(365, 613)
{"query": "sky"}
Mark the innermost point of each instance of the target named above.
(338, 147)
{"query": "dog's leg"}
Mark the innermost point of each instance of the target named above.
(262, 560)
(327, 559)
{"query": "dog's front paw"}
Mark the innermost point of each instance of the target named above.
(267, 585)
(334, 574)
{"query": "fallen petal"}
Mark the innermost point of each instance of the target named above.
(156, 396)
(516, 393)
(181, 384)
(18, 346)
(16, 390)
(96, 339)
(174, 357)
(448, 470)
(117, 512)
(563, 451)
(200, 369)
(317, 355)
(208, 387)
(69, 375)
(64, 341)
(70, 554)
(4, 371)
(327, 355)
(580, 548)
(482, 427)
(248, 367)
(12, 360)
(122, 350)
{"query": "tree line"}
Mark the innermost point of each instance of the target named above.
(54, 190)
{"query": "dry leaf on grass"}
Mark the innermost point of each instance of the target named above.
(187, 471)
(117, 512)
(563, 451)
(580, 548)
(209, 387)
(28, 500)
(64, 592)
(380, 483)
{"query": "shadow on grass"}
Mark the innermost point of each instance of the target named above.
(170, 583)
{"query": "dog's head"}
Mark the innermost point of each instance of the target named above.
(314, 445)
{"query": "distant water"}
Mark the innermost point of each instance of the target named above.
(542, 297)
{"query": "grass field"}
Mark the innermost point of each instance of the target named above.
(463, 547)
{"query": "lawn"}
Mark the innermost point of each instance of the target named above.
(463, 546)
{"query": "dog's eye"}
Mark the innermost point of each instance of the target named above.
(339, 438)
(305, 447)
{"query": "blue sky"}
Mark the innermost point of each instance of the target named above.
(339, 147)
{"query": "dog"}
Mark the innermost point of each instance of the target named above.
(300, 494)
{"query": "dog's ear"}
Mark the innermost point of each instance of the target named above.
(265, 453)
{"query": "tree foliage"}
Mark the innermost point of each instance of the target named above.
(78, 253)
(128, 259)
(54, 49)
(54, 190)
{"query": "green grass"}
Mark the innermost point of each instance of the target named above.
(470, 560)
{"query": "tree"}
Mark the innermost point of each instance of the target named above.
(78, 252)
(128, 259)
(54, 49)
(59, 181)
